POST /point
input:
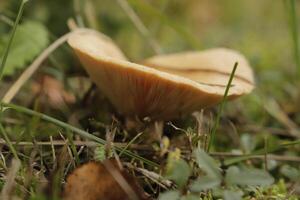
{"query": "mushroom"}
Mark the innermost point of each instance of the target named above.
(165, 86)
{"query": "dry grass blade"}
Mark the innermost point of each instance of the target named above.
(272, 107)
(139, 25)
(80, 132)
(25, 76)
(8, 188)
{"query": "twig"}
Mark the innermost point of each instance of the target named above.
(266, 153)
(146, 147)
(152, 175)
(76, 143)
(272, 107)
(52, 149)
(253, 128)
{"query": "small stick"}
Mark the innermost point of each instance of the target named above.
(266, 153)
(152, 175)
(76, 143)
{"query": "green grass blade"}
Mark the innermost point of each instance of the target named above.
(294, 30)
(6, 51)
(130, 142)
(80, 132)
(143, 30)
(7, 140)
(216, 124)
(78, 6)
(293, 23)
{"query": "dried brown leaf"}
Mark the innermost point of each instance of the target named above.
(102, 181)
(52, 91)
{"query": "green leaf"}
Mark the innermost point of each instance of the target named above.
(290, 172)
(205, 183)
(179, 172)
(207, 163)
(248, 143)
(30, 39)
(232, 195)
(248, 177)
(99, 153)
(170, 195)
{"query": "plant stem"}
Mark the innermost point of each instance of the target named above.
(6, 51)
(291, 8)
(9, 143)
(130, 142)
(78, 4)
(220, 110)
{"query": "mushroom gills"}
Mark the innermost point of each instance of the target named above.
(164, 89)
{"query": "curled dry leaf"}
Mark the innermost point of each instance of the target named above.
(102, 181)
(165, 86)
(53, 92)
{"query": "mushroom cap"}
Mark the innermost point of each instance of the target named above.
(165, 86)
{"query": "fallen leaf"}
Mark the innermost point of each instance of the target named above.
(97, 181)
(53, 92)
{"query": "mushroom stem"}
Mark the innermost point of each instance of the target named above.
(154, 129)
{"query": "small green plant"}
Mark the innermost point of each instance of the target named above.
(24, 41)
(205, 176)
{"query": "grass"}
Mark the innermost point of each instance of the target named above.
(2, 67)
(291, 8)
(6, 52)
(11, 147)
(80, 132)
(221, 107)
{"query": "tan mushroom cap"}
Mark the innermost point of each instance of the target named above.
(165, 90)
(212, 66)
